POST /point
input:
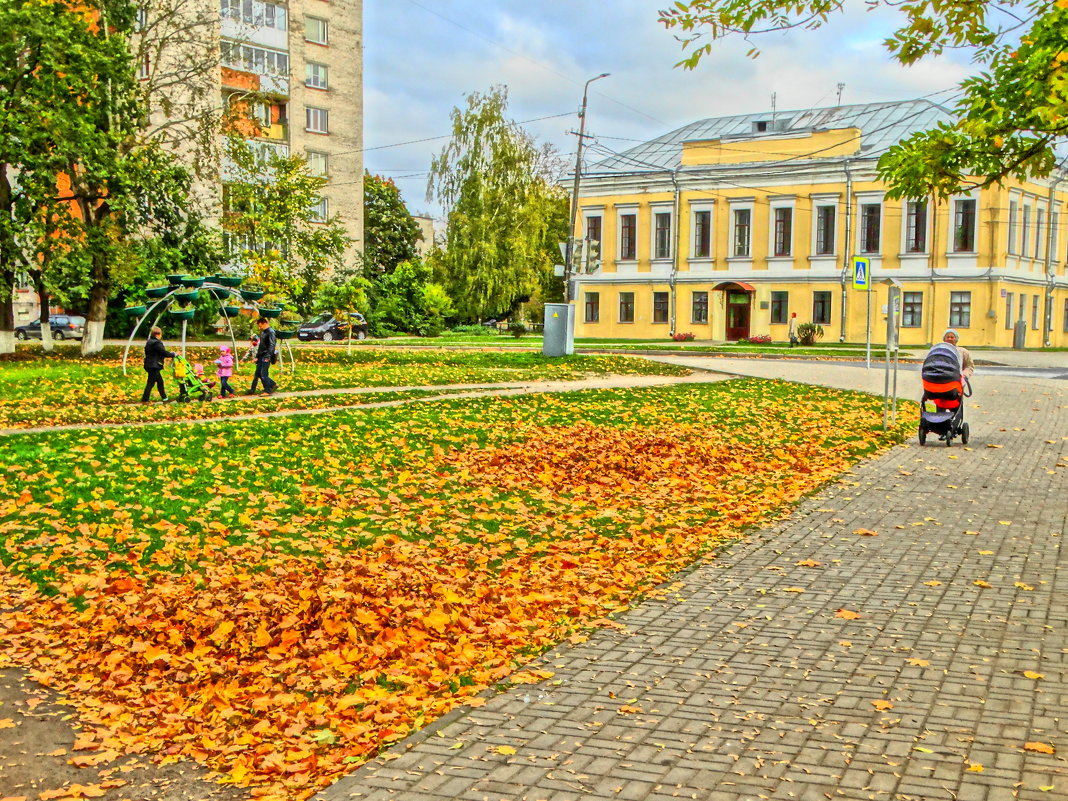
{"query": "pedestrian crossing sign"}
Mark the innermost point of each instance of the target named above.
(861, 273)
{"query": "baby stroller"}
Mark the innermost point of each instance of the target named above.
(190, 385)
(941, 409)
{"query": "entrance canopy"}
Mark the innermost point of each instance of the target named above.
(734, 285)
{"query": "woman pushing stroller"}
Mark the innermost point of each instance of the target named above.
(945, 373)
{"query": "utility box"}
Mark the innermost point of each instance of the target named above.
(559, 338)
(1019, 335)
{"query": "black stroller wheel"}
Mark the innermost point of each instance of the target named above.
(949, 439)
(964, 432)
(923, 434)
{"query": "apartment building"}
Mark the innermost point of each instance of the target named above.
(727, 226)
(295, 68)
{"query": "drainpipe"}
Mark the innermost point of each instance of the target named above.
(675, 246)
(847, 266)
(931, 267)
(1051, 277)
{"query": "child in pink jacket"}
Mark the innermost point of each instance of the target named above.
(225, 370)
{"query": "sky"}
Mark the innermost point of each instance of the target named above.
(422, 57)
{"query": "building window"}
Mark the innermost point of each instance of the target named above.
(1034, 312)
(1064, 325)
(316, 30)
(142, 18)
(315, 77)
(742, 230)
(275, 16)
(254, 59)
(916, 227)
(1014, 211)
(700, 308)
(821, 308)
(317, 120)
(628, 237)
(911, 309)
(780, 303)
(662, 242)
(593, 229)
(626, 307)
(145, 70)
(1025, 234)
(964, 226)
(1040, 224)
(318, 163)
(1009, 298)
(593, 307)
(255, 12)
(870, 227)
(784, 220)
(320, 211)
(1054, 236)
(825, 230)
(960, 309)
(660, 307)
(702, 234)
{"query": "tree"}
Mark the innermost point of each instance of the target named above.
(390, 233)
(499, 194)
(273, 221)
(407, 299)
(1011, 114)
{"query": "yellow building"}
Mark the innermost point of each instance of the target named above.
(726, 227)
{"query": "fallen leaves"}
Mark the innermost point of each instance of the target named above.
(808, 563)
(847, 614)
(1030, 674)
(882, 705)
(1039, 748)
(865, 532)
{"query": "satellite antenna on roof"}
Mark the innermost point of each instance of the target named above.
(841, 86)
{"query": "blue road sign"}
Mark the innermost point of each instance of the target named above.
(861, 273)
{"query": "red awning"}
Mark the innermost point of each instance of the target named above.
(735, 285)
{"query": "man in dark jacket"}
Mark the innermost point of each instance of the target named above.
(264, 354)
(155, 353)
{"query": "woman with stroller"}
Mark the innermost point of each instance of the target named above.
(155, 353)
(967, 366)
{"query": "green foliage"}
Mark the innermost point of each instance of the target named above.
(505, 212)
(270, 210)
(516, 329)
(408, 300)
(390, 233)
(1011, 115)
(808, 333)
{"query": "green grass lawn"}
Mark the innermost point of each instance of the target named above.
(279, 599)
(50, 389)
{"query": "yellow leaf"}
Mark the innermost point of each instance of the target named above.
(222, 632)
(981, 583)
(1032, 675)
(1040, 748)
(847, 614)
(7, 723)
(923, 750)
(975, 767)
(918, 662)
(1023, 586)
(808, 563)
(437, 620)
(866, 532)
(507, 750)
(882, 705)
(986, 553)
(626, 709)
(793, 589)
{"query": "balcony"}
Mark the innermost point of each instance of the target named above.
(261, 35)
(276, 85)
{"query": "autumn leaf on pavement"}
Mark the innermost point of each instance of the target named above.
(882, 705)
(808, 563)
(507, 750)
(1032, 675)
(847, 614)
(865, 532)
(627, 709)
(1040, 748)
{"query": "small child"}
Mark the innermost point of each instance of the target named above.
(225, 370)
(198, 368)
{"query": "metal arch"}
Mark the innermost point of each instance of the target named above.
(144, 316)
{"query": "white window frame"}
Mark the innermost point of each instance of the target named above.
(905, 217)
(870, 199)
(700, 208)
(321, 210)
(312, 71)
(951, 224)
(621, 212)
(1014, 221)
(314, 115)
(818, 202)
(773, 207)
(323, 26)
(1025, 230)
(654, 210)
(735, 206)
(314, 159)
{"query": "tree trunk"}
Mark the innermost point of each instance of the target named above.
(44, 301)
(93, 338)
(7, 311)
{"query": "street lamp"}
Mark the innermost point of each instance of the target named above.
(575, 191)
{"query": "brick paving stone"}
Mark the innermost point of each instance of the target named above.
(781, 706)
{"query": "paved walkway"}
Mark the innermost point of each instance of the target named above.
(811, 662)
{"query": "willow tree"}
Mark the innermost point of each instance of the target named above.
(1013, 111)
(502, 204)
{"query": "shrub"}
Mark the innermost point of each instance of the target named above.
(516, 329)
(683, 337)
(475, 330)
(808, 333)
(760, 339)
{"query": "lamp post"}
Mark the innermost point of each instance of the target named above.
(575, 191)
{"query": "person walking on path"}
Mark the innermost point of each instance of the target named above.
(793, 329)
(264, 357)
(225, 370)
(967, 366)
(155, 353)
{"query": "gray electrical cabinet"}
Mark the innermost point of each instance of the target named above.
(559, 329)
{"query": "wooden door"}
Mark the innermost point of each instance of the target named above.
(738, 307)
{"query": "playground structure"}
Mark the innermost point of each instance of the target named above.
(184, 289)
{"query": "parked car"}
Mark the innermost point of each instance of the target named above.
(64, 326)
(329, 329)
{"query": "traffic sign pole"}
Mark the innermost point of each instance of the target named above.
(862, 280)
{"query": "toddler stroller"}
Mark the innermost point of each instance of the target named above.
(941, 409)
(190, 385)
